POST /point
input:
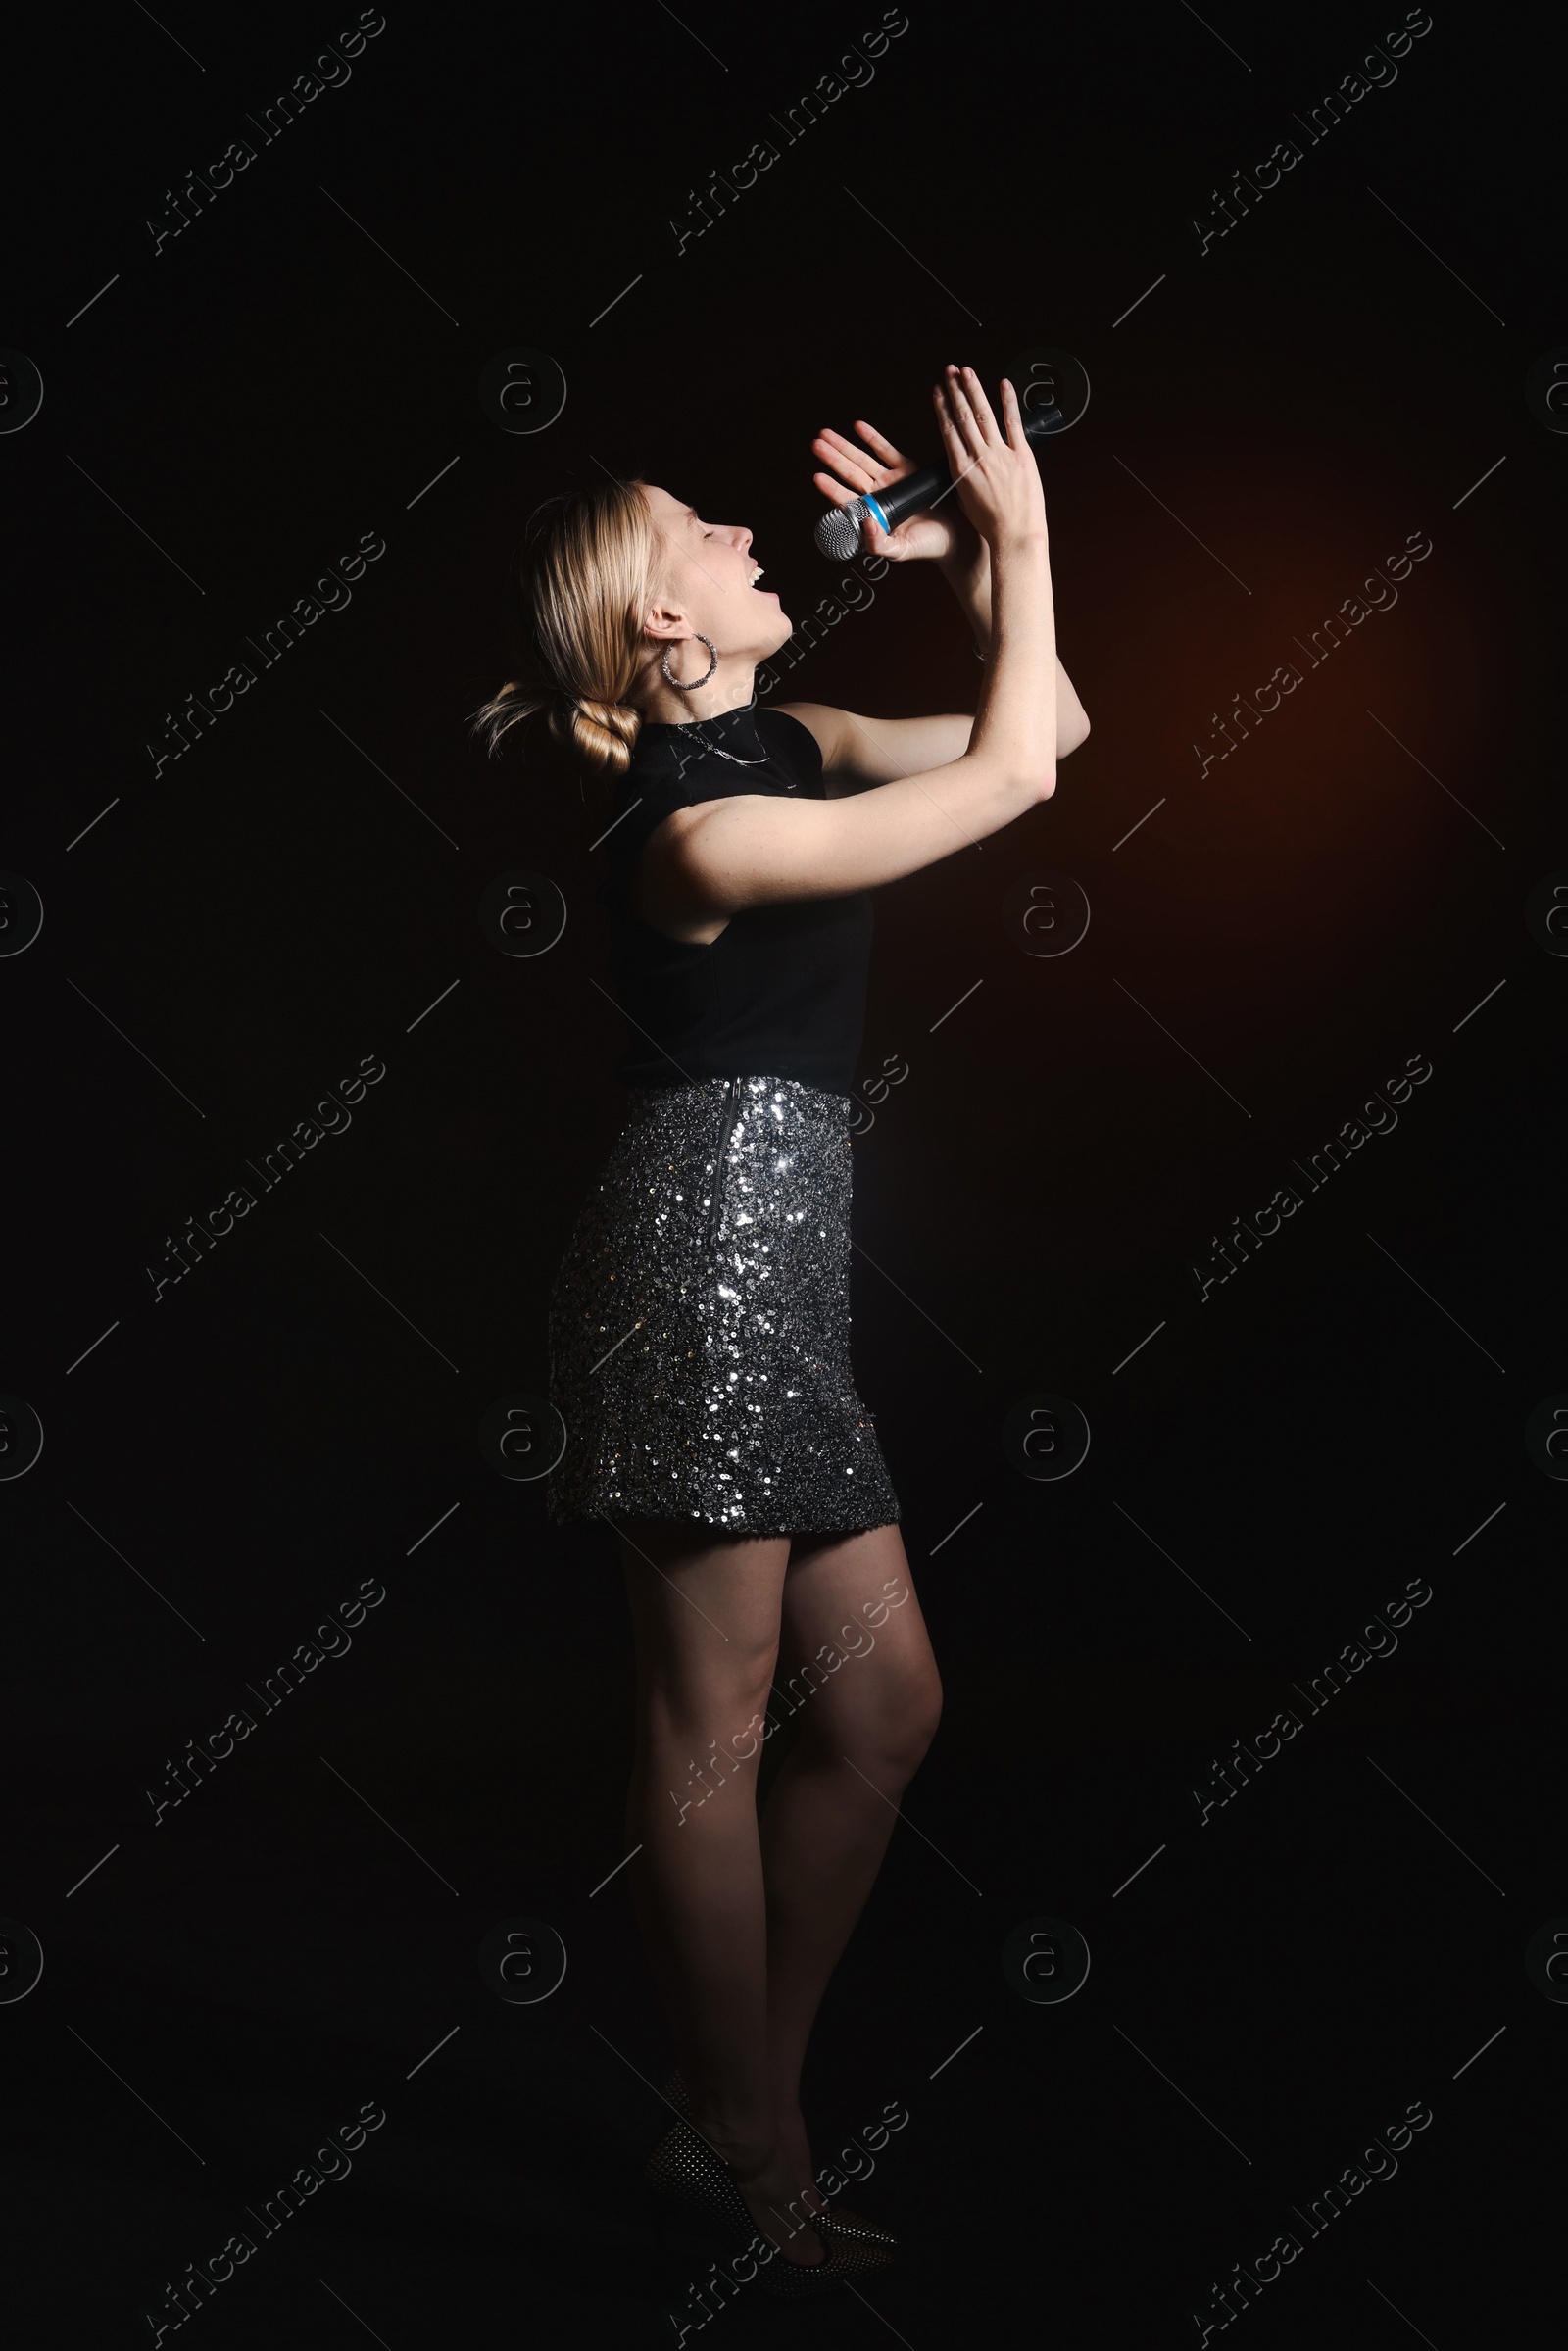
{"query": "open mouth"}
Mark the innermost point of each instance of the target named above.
(756, 574)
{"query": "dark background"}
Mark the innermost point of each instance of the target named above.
(297, 1414)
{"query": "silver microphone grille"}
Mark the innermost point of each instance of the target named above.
(838, 531)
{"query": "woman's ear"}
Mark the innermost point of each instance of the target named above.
(668, 623)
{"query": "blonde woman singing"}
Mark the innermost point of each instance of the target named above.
(700, 1321)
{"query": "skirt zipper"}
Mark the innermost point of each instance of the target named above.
(732, 1103)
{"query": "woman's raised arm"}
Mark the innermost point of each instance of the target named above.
(749, 850)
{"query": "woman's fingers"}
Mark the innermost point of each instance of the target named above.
(838, 447)
(866, 472)
(953, 444)
(987, 422)
(968, 429)
(849, 464)
(958, 455)
(997, 483)
(969, 432)
(879, 444)
(976, 438)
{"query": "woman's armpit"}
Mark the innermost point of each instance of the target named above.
(661, 892)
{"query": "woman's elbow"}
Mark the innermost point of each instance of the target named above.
(1074, 735)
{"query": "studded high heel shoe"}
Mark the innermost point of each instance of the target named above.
(835, 2219)
(684, 2166)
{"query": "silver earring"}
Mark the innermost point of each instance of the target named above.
(670, 679)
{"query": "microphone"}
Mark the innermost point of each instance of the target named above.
(838, 531)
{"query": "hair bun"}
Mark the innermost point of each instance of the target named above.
(584, 578)
(602, 732)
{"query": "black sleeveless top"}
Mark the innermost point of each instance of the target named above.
(781, 991)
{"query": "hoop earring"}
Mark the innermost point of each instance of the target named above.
(670, 679)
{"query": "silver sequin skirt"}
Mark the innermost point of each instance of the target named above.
(700, 1320)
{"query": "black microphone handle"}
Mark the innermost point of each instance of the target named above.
(908, 496)
(919, 490)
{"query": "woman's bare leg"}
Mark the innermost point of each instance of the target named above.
(705, 1615)
(866, 1723)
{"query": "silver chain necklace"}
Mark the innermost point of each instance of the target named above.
(720, 752)
(689, 726)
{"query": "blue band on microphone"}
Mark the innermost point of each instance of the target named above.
(875, 512)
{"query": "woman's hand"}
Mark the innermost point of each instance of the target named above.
(997, 480)
(946, 536)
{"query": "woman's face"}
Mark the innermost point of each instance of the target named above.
(708, 588)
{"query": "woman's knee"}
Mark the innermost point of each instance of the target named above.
(889, 1730)
(914, 1720)
(723, 1700)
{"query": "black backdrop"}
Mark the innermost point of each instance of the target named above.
(227, 934)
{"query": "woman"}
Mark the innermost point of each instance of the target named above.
(700, 1320)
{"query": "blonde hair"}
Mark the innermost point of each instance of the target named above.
(587, 571)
